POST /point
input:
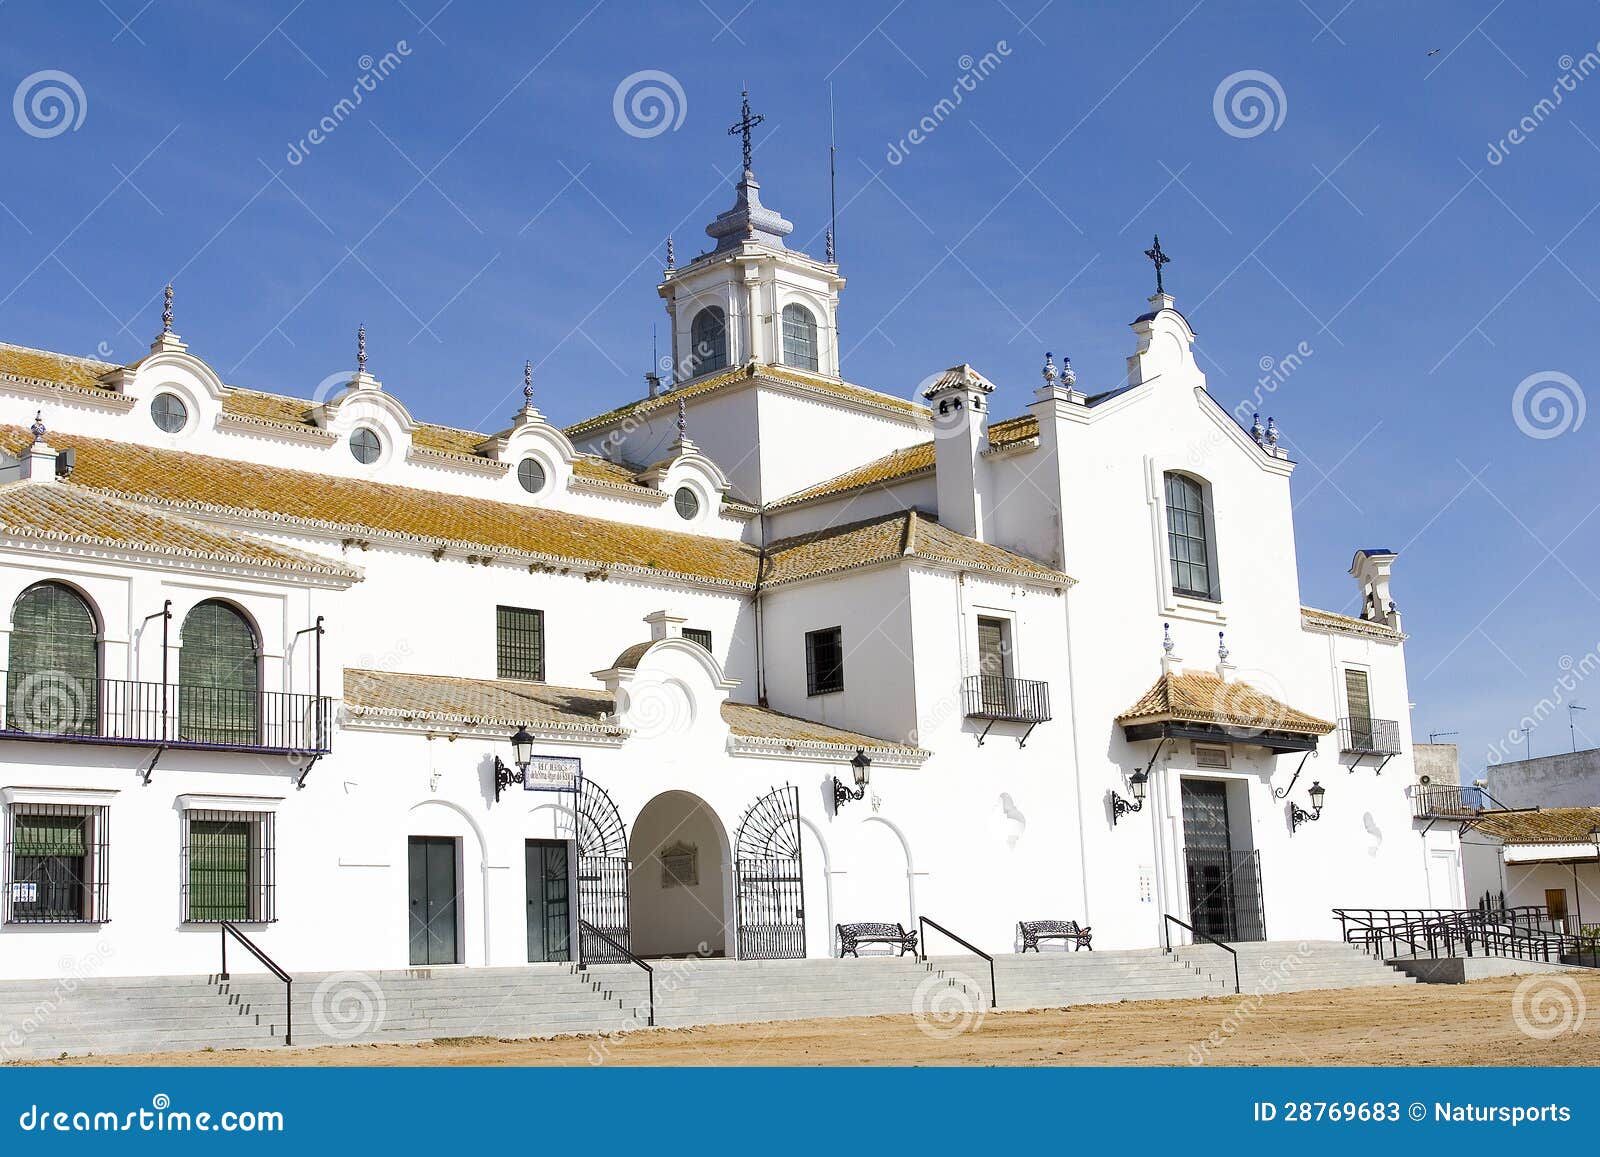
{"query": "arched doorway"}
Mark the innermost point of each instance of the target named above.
(679, 882)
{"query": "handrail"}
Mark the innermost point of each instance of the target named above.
(924, 922)
(229, 927)
(650, 973)
(1234, 952)
(1510, 932)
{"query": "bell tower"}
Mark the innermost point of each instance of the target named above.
(751, 298)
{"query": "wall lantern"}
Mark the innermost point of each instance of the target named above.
(1298, 815)
(861, 769)
(1136, 785)
(1594, 837)
(521, 755)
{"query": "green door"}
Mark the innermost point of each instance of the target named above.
(548, 898)
(434, 894)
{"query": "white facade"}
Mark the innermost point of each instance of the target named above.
(973, 820)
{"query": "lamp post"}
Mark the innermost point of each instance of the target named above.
(1136, 787)
(1298, 815)
(861, 771)
(521, 755)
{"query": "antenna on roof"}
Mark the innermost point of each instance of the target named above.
(833, 202)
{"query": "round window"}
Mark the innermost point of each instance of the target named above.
(531, 474)
(687, 502)
(365, 446)
(169, 413)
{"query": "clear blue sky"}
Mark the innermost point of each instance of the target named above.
(483, 205)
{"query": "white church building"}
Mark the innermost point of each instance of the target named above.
(758, 654)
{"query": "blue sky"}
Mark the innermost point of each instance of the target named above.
(484, 204)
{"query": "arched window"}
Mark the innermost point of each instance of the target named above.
(708, 335)
(219, 676)
(53, 683)
(799, 338)
(1189, 538)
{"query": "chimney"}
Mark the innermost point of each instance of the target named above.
(959, 398)
(1370, 569)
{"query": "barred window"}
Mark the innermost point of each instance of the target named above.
(708, 340)
(1189, 537)
(219, 676)
(53, 684)
(519, 644)
(698, 635)
(229, 867)
(825, 661)
(56, 864)
(799, 338)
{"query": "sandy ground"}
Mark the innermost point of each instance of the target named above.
(1470, 1024)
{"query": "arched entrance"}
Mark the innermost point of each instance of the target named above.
(679, 883)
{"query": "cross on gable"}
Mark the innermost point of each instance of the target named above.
(1159, 259)
(746, 123)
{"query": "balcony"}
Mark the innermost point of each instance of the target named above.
(999, 699)
(1361, 735)
(1429, 803)
(55, 707)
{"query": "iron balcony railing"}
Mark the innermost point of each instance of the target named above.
(1361, 735)
(1446, 802)
(1013, 700)
(55, 706)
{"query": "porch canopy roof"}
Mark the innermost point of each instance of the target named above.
(1549, 835)
(1200, 705)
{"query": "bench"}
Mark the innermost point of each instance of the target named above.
(852, 936)
(1034, 931)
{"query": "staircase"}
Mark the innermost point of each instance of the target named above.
(1292, 966)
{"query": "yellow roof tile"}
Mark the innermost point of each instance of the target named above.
(1553, 825)
(44, 366)
(1201, 697)
(1316, 620)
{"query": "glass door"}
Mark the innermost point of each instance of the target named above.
(549, 889)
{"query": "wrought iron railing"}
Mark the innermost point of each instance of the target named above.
(1446, 802)
(228, 928)
(1362, 735)
(1195, 934)
(1012, 700)
(1225, 893)
(59, 707)
(587, 930)
(926, 923)
(1527, 933)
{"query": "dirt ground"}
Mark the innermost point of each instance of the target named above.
(1470, 1024)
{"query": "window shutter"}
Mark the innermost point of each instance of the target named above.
(46, 835)
(220, 677)
(1357, 694)
(53, 687)
(219, 870)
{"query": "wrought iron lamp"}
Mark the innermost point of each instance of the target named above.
(1594, 836)
(1136, 785)
(861, 769)
(1298, 815)
(521, 755)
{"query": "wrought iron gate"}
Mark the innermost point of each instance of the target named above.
(1225, 893)
(602, 874)
(771, 878)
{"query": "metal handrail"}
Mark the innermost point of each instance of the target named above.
(1002, 697)
(1513, 932)
(924, 922)
(1234, 952)
(227, 927)
(650, 973)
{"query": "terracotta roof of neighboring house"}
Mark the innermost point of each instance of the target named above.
(67, 512)
(1312, 619)
(511, 702)
(1553, 825)
(1012, 430)
(1200, 697)
(667, 400)
(197, 482)
(902, 534)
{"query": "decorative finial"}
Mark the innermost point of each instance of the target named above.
(1257, 433)
(746, 123)
(1222, 647)
(166, 311)
(671, 260)
(683, 421)
(37, 429)
(1049, 371)
(1167, 644)
(361, 348)
(830, 245)
(1069, 376)
(1159, 258)
(1272, 434)
(527, 383)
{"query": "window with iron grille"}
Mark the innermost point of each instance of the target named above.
(229, 864)
(519, 643)
(698, 635)
(799, 338)
(56, 864)
(825, 661)
(1189, 537)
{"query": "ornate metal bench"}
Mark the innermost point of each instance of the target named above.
(852, 936)
(1034, 931)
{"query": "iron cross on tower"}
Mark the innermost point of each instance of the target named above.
(746, 123)
(1159, 259)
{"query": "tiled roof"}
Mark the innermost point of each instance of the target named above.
(1012, 431)
(1555, 825)
(511, 702)
(198, 482)
(44, 366)
(67, 512)
(1200, 697)
(902, 534)
(668, 399)
(1312, 619)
